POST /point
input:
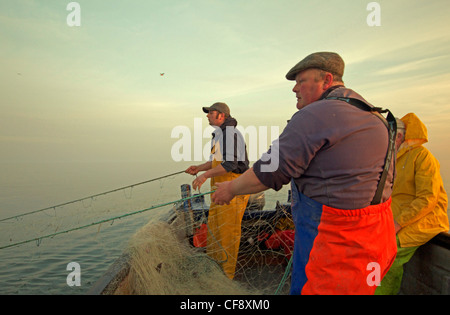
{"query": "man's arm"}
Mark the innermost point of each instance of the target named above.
(247, 183)
(194, 169)
(212, 172)
(427, 188)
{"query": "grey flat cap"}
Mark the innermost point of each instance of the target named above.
(326, 61)
(220, 107)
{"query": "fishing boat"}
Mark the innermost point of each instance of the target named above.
(268, 265)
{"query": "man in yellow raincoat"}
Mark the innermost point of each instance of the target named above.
(419, 201)
(228, 161)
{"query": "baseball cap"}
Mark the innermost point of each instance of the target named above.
(220, 107)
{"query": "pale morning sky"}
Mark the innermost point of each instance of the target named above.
(71, 97)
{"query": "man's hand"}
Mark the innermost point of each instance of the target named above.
(198, 182)
(223, 194)
(193, 170)
(397, 227)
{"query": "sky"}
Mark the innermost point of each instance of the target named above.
(85, 109)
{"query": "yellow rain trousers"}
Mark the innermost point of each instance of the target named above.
(224, 227)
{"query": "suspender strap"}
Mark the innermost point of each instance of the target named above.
(391, 125)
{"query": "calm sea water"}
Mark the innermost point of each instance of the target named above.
(33, 269)
(41, 267)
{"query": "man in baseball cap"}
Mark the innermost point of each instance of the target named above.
(226, 163)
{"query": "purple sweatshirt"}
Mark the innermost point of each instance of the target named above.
(334, 151)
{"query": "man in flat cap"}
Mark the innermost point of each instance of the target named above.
(228, 161)
(333, 152)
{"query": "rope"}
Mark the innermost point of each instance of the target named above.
(104, 193)
(39, 239)
(285, 276)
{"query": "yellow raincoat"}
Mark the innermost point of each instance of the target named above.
(419, 201)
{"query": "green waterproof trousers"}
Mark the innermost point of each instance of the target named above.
(390, 284)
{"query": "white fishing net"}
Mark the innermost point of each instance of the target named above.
(171, 257)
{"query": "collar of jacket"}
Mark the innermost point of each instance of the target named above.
(230, 121)
(331, 89)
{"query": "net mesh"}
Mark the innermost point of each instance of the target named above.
(166, 247)
(173, 258)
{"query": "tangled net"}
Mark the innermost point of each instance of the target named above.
(169, 256)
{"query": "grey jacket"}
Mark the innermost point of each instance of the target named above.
(335, 152)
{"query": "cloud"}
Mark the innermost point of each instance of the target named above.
(416, 66)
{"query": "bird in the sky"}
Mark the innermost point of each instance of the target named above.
(162, 74)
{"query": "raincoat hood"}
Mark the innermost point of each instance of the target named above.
(416, 131)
